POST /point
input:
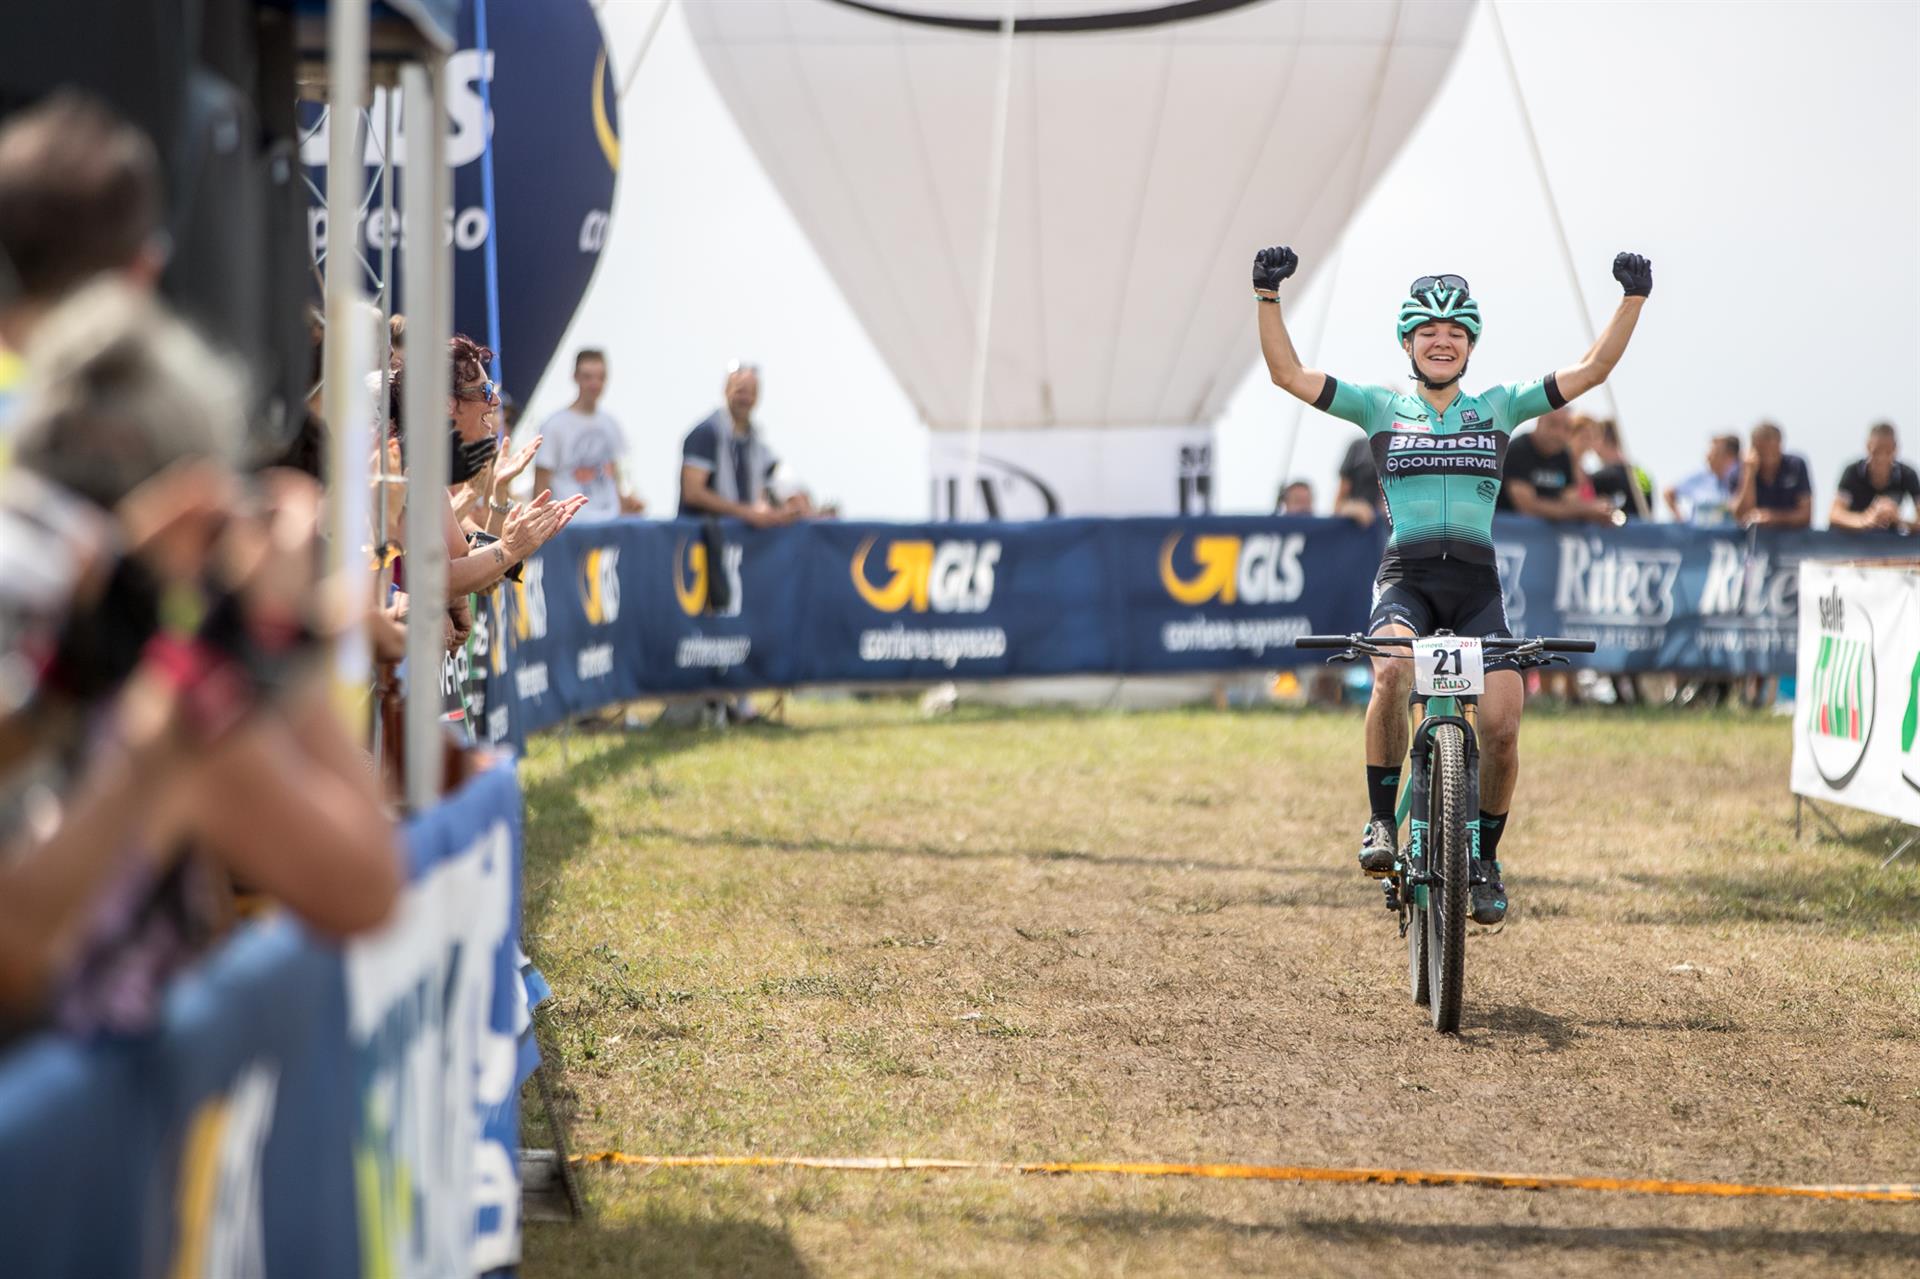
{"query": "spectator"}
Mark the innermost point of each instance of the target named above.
(1614, 479)
(725, 465)
(1541, 478)
(206, 746)
(1358, 497)
(1295, 499)
(1873, 488)
(583, 448)
(1706, 497)
(1776, 489)
(79, 196)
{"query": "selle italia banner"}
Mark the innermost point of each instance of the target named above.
(1857, 727)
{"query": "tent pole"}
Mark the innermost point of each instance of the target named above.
(1566, 246)
(989, 260)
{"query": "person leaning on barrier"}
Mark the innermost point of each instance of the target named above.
(726, 467)
(1295, 499)
(1542, 474)
(1357, 496)
(1613, 477)
(1706, 497)
(1874, 488)
(192, 739)
(1776, 488)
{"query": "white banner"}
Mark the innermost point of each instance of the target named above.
(1856, 738)
(1070, 471)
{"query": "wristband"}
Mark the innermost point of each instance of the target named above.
(504, 508)
(1261, 297)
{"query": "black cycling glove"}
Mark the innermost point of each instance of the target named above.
(1271, 266)
(1635, 274)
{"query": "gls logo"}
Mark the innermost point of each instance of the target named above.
(945, 577)
(600, 585)
(1261, 568)
(693, 578)
(530, 593)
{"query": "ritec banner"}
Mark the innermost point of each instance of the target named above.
(1856, 733)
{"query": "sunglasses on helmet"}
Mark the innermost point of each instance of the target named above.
(1426, 282)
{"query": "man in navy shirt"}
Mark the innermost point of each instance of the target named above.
(1776, 489)
(1873, 489)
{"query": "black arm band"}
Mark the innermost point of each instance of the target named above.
(1552, 383)
(1324, 400)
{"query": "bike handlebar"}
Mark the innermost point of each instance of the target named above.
(1494, 644)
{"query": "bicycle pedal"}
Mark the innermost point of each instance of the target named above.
(1391, 888)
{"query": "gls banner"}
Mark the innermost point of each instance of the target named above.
(555, 131)
(1856, 730)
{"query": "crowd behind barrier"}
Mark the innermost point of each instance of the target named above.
(615, 611)
(300, 1110)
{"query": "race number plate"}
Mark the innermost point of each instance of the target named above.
(1449, 666)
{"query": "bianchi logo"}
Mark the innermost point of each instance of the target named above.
(1840, 702)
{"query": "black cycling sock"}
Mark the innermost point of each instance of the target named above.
(1383, 789)
(1491, 827)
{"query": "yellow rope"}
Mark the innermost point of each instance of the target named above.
(1897, 1193)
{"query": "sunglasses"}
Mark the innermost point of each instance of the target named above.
(1426, 282)
(485, 391)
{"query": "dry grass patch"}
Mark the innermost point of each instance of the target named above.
(1026, 936)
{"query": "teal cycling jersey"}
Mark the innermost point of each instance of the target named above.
(1440, 472)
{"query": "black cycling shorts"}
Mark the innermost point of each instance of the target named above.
(1427, 595)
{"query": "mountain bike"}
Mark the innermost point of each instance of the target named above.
(1440, 803)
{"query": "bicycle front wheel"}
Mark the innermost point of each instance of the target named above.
(1447, 854)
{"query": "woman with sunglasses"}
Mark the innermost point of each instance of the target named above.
(1439, 453)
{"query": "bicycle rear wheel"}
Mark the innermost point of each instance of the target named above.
(1447, 853)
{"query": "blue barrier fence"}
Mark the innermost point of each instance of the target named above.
(616, 611)
(301, 1110)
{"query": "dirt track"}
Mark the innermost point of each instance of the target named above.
(1056, 937)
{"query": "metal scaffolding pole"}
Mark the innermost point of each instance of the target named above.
(347, 346)
(429, 312)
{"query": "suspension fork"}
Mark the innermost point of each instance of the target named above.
(1415, 797)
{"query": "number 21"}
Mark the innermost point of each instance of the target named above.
(1440, 661)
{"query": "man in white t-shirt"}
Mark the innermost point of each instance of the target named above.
(581, 448)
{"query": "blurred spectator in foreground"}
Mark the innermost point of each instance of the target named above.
(726, 467)
(1706, 497)
(583, 447)
(1542, 476)
(1776, 488)
(1358, 497)
(79, 196)
(188, 739)
(1613, 479)
(1873, 489)
(1295, 499)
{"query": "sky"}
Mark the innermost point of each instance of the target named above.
(1765, 156)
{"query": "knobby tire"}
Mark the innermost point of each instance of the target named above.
(1447, 855)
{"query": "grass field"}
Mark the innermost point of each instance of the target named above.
(1025, 936)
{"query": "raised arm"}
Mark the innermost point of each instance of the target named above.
(1270, 268)
(1635, 275)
